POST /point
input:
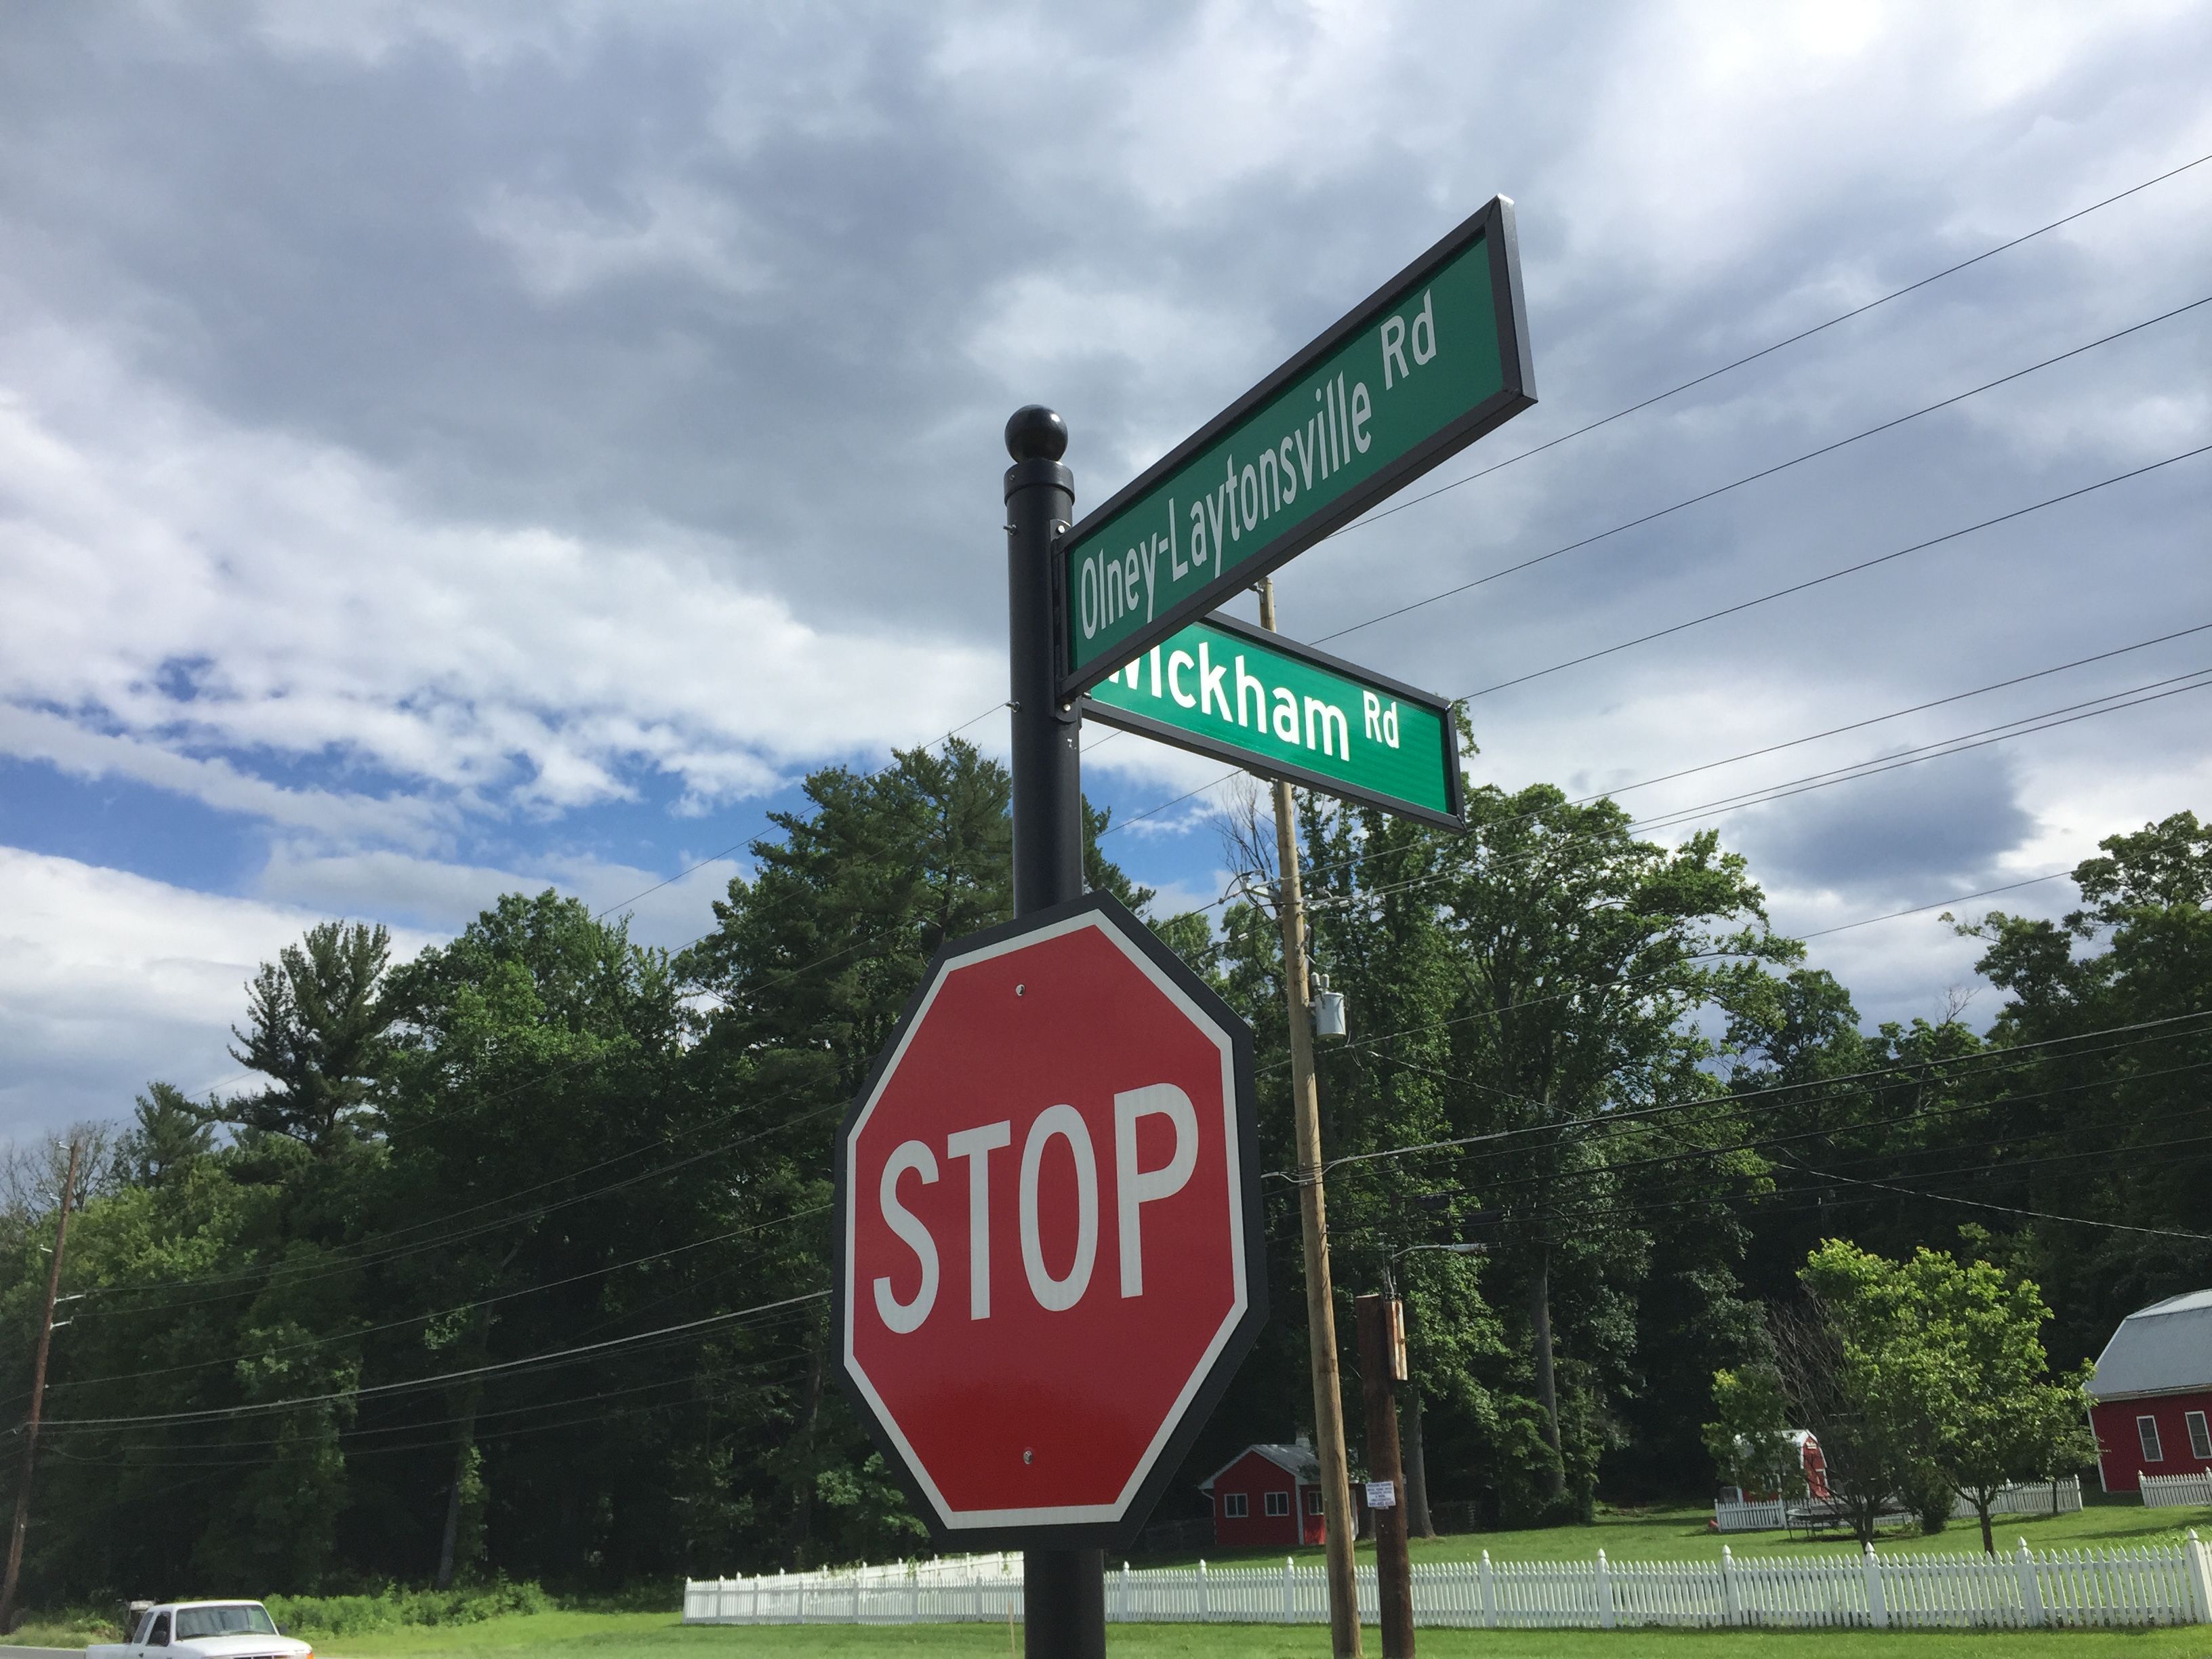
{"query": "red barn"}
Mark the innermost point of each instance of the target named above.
(2151, 1398)
(1267, 1495)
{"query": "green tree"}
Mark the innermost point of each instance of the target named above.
(1851, 1377)
(167, 1133)
(810, 963)
(1582, 955)
(1944, 1364)
(538, 1043)
(1749, 1438)
(316, 1026)
(2135, 959)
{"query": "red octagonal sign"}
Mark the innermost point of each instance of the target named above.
(1049, 1242)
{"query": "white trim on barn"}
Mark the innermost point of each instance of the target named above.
(1299, 1462)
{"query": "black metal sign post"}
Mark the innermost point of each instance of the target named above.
(1063, 1591)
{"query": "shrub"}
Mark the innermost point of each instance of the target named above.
(74, 1627)
(392, 1607)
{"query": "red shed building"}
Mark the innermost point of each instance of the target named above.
(1267, 1495)
(2151, 1398)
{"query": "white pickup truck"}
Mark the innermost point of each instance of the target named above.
(204, 1629)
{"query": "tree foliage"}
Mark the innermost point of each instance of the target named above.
(1923, 1379)
(326, 1326)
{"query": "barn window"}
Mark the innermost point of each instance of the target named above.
(2147, 1431)
(2200, 1438)
(1278, 1503)
(1313, 1501)
(1235, 1506)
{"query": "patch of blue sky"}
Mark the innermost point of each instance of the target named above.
(123, 825)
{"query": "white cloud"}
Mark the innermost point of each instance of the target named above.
(108, 980)
(41, 734)
(562, 247)
(302, 591)
(371, 33)
(1171, 898)
(445, 897)
(176, 580)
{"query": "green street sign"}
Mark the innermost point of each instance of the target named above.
(1228, 689)
(1432, 359)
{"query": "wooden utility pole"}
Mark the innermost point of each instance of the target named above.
(1383, 1365)
(1313, 1219)
(38, 1398)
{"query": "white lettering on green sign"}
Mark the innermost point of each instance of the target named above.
(1284, 709)
(1429, 360)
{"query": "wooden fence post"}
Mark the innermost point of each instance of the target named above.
(2031, 1597)
(1877, 1607)
(1731, 1601)
(1489, 1595)
(2198, 1558)
(1604, 1593)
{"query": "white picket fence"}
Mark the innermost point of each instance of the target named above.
(2028, 1498)
(2166, 1491)
(2158, 1584)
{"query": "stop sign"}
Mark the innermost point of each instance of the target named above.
(1049, 1257)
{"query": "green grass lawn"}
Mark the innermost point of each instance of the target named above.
(1656, 1534)
(1679, 1534)
(651, 1636)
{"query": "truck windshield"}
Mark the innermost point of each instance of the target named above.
(229, 1618)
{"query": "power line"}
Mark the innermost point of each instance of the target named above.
(1767, 350)
(762, 1368)
(2038, 1215)
(1943, 748)
(1750, 754)
(394, 1251)
(1685, 385)
(1897, 714)
(537, 1361)
(1640, 1208)
(345, 1432)
(1729, 1099)
(1847, 570)
(440, 1313)
(1754, 477)
(1922, 910)
(1634, 1210)
(500, 1222)
(657, 1256)
(324, 1268)
(1491, 1185)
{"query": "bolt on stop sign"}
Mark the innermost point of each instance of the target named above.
(1049, 1256)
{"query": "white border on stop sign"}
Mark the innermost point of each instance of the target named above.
(1072, 1514)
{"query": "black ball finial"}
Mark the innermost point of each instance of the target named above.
(1036, 433)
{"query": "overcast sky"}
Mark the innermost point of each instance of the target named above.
(445, 449)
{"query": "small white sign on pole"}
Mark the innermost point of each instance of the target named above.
(1381, 1494)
